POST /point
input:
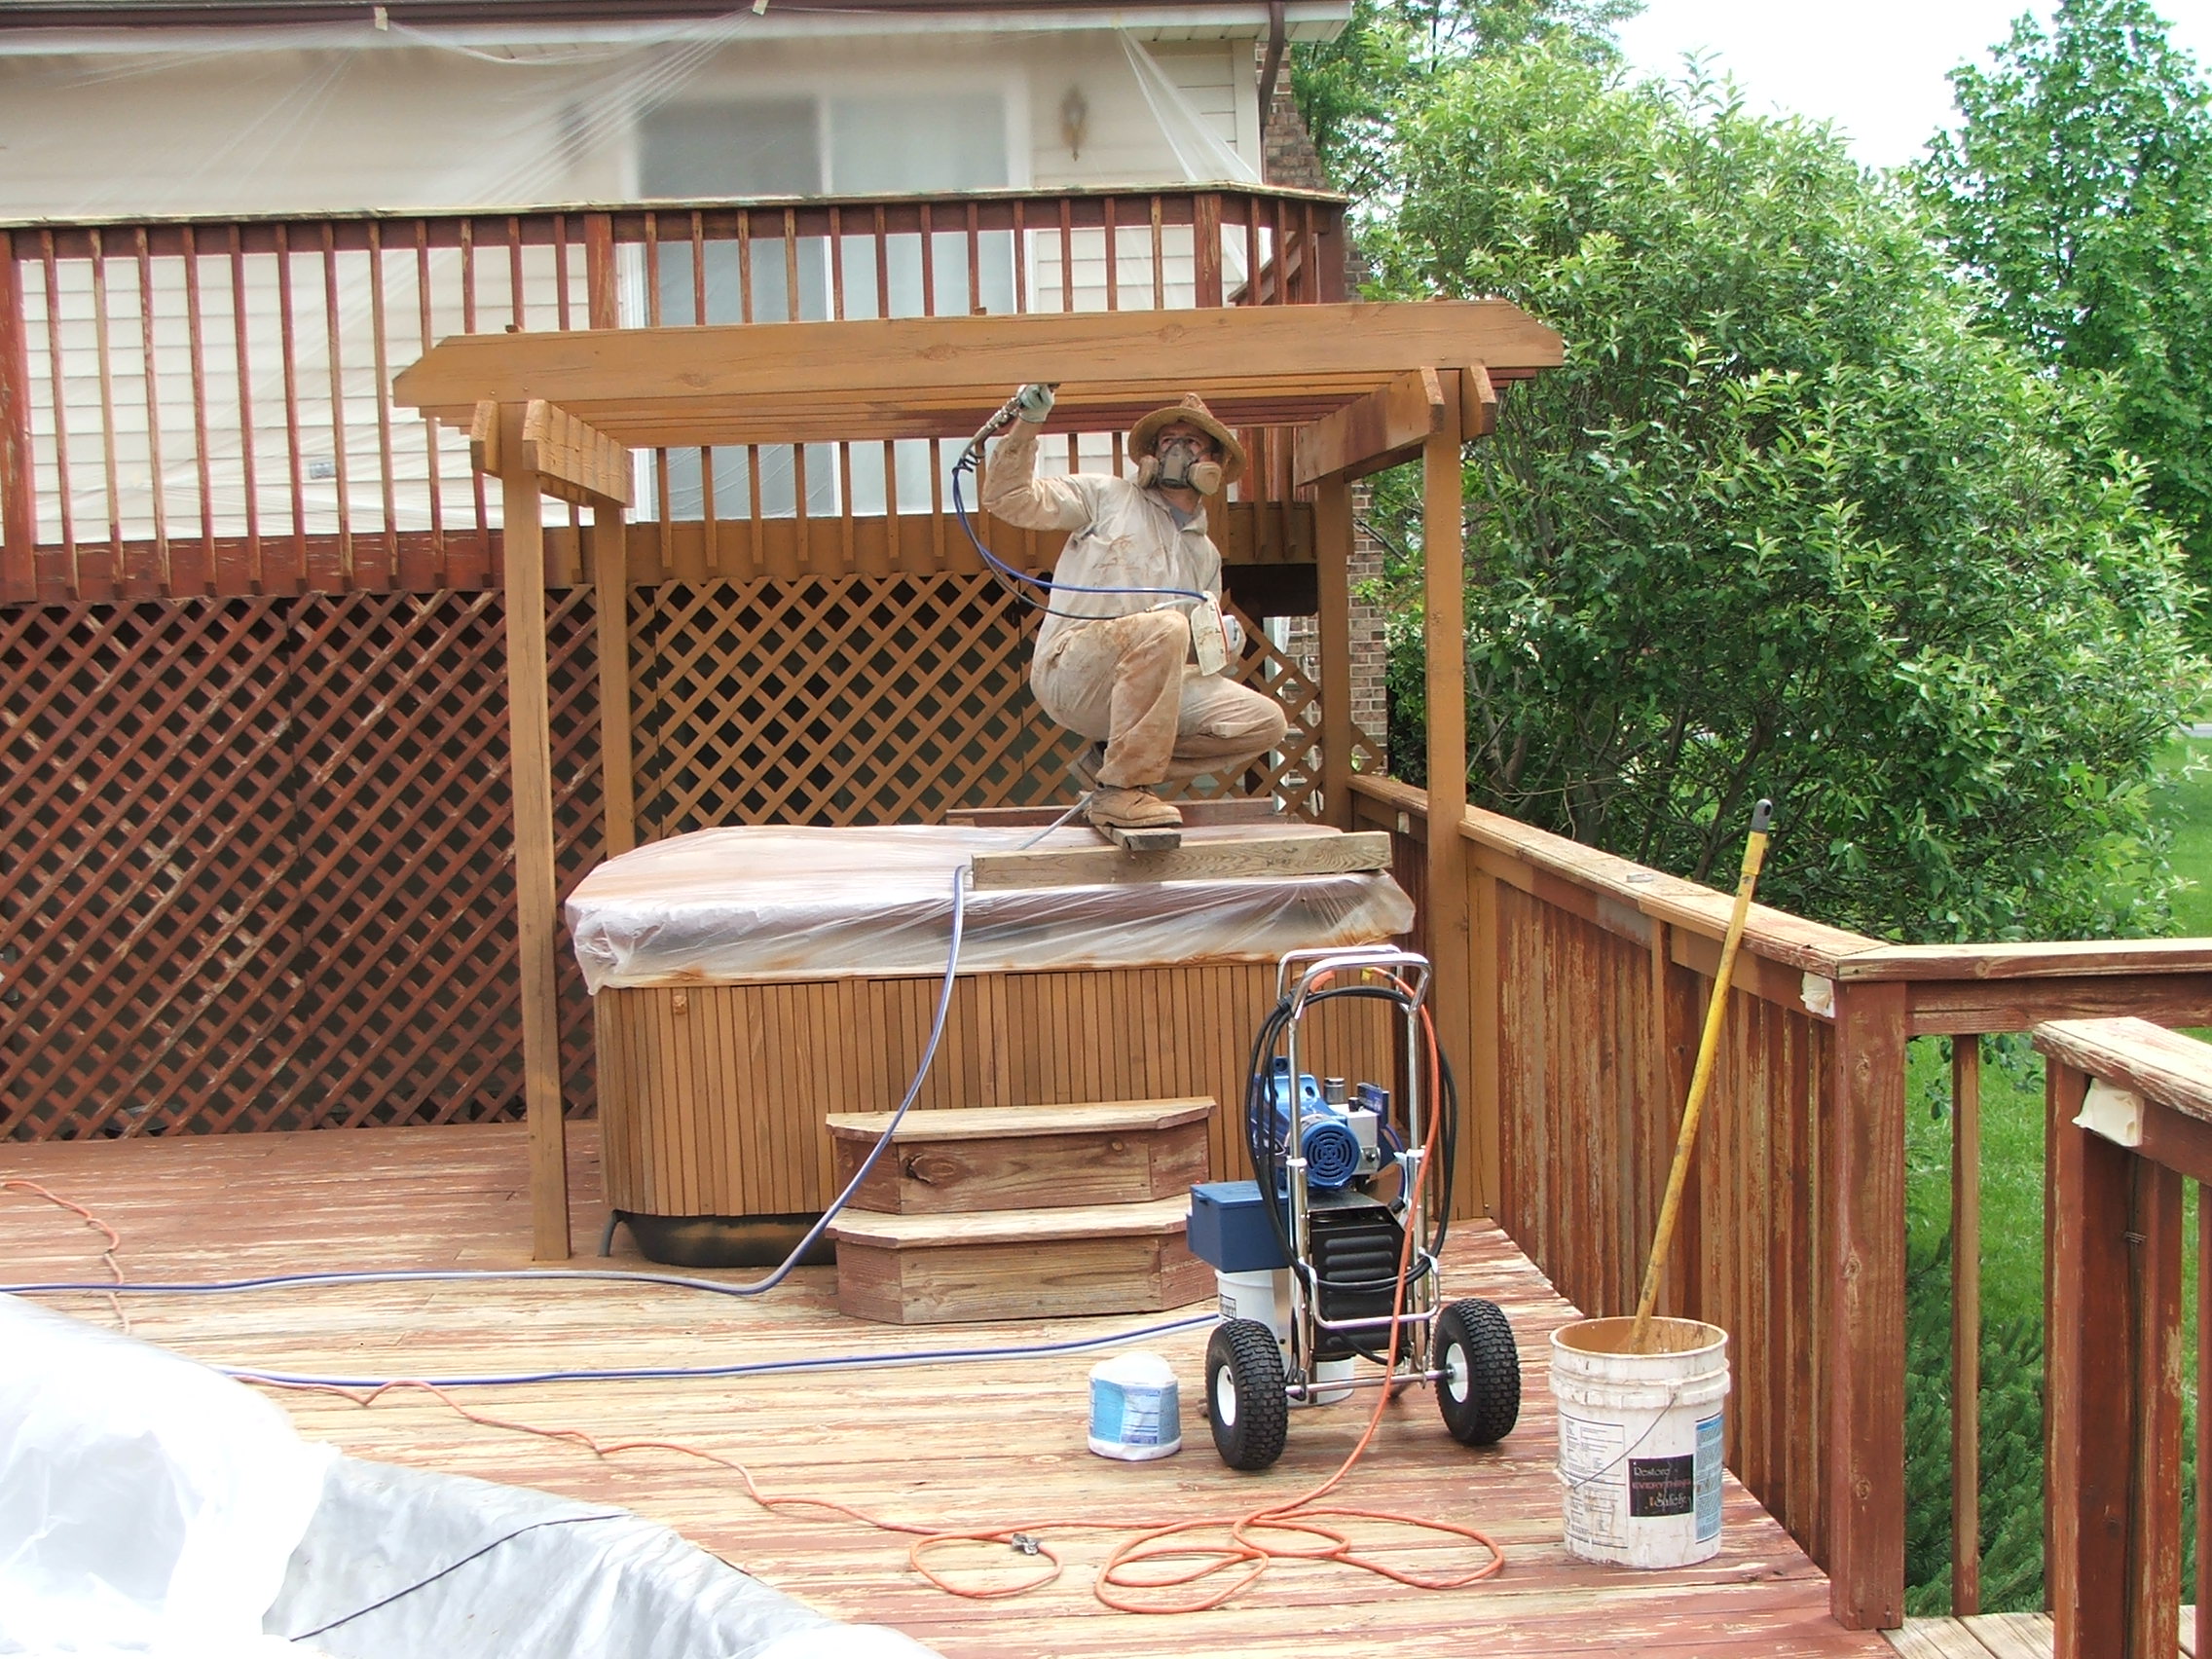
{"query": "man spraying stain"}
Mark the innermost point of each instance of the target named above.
(1133, 651)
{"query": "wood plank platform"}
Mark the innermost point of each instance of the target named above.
(986, 1444)
(1999, 1636)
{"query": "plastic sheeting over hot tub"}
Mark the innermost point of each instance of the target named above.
(751, 982)
(721, 906)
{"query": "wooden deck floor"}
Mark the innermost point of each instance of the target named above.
(1999, 1636)
(984, 1444)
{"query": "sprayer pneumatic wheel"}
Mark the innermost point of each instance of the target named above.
(1479, 1391)
(1246, 1400)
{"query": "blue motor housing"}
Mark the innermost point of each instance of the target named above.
(1342, 1139)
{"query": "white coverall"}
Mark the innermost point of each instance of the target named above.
(1117, 669)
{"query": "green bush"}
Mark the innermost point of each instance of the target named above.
(1787, 523)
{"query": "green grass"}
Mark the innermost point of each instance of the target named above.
(2185, 806)
(2011, 1264)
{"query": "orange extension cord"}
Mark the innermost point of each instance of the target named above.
(1246, 1544)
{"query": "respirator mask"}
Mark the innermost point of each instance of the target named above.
(1181, 464)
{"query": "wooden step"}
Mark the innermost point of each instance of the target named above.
(1021, 1158)
(926, 1269)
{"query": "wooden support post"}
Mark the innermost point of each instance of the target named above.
(2202, 1635)
(1862, 1450)
(2113, 1378)
(1332, 554)
(1965, 1326)
(1450, 939)
(610, 582)
(19, 514)
(531, 755)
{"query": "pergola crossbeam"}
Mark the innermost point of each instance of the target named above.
(1387, 425)
(939, 377)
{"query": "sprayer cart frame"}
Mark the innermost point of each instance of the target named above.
(1357, 1272)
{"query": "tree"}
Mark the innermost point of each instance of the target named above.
(1351, 89)
(2079, 187)
(1786, 523)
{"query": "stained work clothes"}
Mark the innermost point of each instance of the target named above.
(1113, 667)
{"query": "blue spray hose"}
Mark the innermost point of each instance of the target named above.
(755, 1368)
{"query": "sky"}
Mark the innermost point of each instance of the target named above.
(1876, 67)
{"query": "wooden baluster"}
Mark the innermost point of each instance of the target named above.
(1966, 1325)
(440, 574)
(654, 319)
(114, 584)
(73, 574)
(296, 578)
(19, 524)
(159, 575)
(712, 554)
(344, 576)
(467, 237)
(203, 578)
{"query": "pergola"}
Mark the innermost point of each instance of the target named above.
(1366, 386)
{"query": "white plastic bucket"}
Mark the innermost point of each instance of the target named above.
(1134, 1414)
(1640, 1440)
(1265, 1296)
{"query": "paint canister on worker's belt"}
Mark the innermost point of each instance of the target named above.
(1134, 1415)
(1639, 1439)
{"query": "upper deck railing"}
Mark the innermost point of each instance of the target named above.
(204, 407)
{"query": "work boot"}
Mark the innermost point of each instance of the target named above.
(1115, 808)
(1084, 768)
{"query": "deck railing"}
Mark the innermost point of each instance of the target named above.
(2129, 1118)
(1589, 979)
(204, 407)
(252, 650)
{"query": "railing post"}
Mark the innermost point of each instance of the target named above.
(19, 521)
(1862, 1454)
(2113, 1381)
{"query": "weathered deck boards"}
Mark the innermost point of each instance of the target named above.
(1999, 1636)
(991, 1444)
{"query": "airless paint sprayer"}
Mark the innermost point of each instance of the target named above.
(1329, 1257)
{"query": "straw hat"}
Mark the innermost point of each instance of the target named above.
(1192, 412)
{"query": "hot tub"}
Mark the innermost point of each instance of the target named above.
(747, 982)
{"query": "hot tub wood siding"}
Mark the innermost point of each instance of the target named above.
(713, 1096)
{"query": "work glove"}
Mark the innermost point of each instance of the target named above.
(1232, 636)
(1033, 402)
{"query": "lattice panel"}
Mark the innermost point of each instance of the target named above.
(258, 857)
(860, 700)
(874, 700)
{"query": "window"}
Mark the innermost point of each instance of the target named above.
(846, 144)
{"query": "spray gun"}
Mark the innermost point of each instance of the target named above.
(1011, 410)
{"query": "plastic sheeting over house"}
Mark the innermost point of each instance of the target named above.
(335, 118)
(799, 903)
(149, 1506)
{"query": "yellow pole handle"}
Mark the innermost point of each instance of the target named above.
(1754, 855)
